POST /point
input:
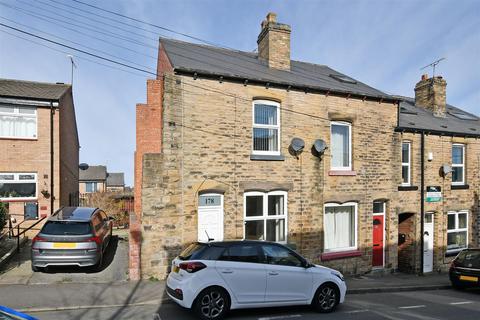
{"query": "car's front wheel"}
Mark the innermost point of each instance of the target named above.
(326, 298)
(212, 303)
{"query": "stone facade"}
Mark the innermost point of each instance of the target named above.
(206, 145)
(195, 136)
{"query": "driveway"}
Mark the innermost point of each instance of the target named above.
(115, 267)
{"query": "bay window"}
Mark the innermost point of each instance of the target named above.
(266, 127)
(458, 164)
(18, 186)
(340, 227)
(18, 122)
(457, 231)
(341, 149)
(266, 216)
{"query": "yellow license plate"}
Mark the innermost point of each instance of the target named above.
(64, 245)
(175, 269)
(467, 278)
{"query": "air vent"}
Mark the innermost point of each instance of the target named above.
(444, 126)
(473, 129)
(461, 115)
(342, 78)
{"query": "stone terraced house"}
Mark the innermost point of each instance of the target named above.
(240, 145)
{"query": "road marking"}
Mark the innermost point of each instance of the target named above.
(357, 311)
(461, 302)
(281, 317)
(413, 307)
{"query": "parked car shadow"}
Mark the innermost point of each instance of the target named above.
(108, 257)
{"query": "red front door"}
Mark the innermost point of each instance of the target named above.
(378, 229)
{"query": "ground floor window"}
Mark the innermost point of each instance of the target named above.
(18, 186)
(266, 216)
(340, 227)
(457, 230)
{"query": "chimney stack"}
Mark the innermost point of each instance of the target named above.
(431, 94)
(274, 43)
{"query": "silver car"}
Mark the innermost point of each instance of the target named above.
(72, 236)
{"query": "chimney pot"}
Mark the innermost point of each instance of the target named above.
(424, 76)
(271, 17)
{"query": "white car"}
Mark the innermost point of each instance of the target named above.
(212, 278)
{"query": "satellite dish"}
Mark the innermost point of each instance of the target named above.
(297, 145)
(319, 147)
(83, 166)
(446, 169)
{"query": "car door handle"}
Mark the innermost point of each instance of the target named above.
(227, 271)
(273, 273)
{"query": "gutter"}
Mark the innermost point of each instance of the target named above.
(437, 132)
(422, 199)
(283, 85)
(52, 180)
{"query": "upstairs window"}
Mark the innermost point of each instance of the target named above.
(16, 186)
(341, 141)
(91, 187)
(406, 156)
(266, 127)
(458, 164)
(18, 122)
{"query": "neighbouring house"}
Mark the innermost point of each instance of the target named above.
(93, 179)
(115, 182)
(242, 145)
(38, 147)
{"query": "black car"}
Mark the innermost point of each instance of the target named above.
(465, 269)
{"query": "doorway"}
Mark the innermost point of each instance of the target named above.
(378, 237)
(210, 217)
(428, 229)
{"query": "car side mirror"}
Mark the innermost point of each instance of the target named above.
(307, 264)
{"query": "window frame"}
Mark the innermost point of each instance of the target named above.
(16, 179)
(462, 165)
(266, 126)
(265, 217)
(407, 164)
(457, 229)
(16, 113)
(93, 183)
(331, 205)
(350, 166)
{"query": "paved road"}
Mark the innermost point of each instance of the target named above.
(423, 305)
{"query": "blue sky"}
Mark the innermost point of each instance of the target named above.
(382, 43)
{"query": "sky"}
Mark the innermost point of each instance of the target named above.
(382, 43)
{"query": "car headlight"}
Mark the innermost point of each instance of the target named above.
(338, 275)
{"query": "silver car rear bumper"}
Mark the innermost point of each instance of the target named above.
(81, 258)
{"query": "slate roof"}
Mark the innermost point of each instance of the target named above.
(115, 179)
(93, 173)
(213, 61)
(412, 118)
(32, 90)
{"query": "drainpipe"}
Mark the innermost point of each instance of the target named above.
(52, 180)
(422, 198)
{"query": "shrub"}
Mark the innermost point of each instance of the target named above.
(3, 215)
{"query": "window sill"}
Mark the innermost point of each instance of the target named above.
(453, 253)
(18, 138)
(342, 173)
(327, 256)
(407, 188)
(267, 157)
(459, 186)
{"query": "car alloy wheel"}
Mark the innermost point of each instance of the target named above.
(212, 303)
(327, 298)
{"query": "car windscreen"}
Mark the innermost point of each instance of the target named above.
(201, 251)
(468, 259)
(67, 228)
